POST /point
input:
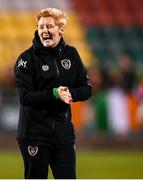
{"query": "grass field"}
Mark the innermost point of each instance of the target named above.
(90, 164)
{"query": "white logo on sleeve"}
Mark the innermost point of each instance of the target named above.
(66, 63)
(22, 63)
(33, 150)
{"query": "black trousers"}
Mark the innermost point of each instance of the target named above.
(62, 161)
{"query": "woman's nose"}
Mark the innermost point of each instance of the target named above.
(46, 28)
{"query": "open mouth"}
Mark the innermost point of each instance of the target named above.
(47, 37)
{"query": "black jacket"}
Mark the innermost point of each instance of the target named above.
(43, 119)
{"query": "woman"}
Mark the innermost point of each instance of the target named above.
(49, 77)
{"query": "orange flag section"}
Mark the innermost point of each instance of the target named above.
(79, 114)
(132, 108)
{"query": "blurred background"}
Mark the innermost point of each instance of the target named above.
(109, 37)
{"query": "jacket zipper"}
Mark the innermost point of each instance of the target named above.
(66, 114)
(57, 69)
(67, 117)
(53, 123)
(58, 72)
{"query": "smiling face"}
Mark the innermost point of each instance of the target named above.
(48, 31)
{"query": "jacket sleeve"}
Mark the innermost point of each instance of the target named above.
(24, 82)
(82, 89)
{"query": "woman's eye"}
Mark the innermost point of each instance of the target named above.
(41, 27)
(50, 26)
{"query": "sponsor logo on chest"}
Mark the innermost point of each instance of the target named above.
(22, 63)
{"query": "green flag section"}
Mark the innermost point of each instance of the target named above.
(100, 110)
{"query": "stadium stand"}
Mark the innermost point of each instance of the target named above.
(117, 27)
(114, 28)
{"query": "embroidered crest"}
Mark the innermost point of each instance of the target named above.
(22, 63)
(33, 150)
(45, 67)
(66, 63)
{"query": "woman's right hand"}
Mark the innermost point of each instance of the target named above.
(64, 94)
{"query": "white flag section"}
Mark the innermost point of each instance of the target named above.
(118, 112)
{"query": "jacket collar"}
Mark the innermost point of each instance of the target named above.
(39, 48)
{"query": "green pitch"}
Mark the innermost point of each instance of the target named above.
(90, 164)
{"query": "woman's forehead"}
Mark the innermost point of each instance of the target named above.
(46, 20)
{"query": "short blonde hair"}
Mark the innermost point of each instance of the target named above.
(59, 16)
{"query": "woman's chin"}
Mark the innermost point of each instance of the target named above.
(48, 43)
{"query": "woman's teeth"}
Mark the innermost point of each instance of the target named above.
(47, 37)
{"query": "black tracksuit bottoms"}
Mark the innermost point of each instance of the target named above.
(62, 161)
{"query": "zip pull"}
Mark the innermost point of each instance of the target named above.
(57, 68)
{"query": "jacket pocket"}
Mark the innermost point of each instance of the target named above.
(36, 115)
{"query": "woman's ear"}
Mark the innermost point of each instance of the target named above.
(61, 31)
